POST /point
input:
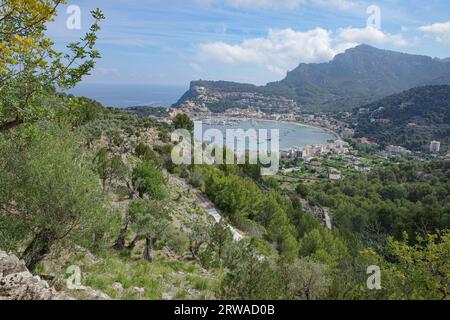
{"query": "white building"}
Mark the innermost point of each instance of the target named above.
(435, 147)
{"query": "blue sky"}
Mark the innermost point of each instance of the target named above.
(172, 42)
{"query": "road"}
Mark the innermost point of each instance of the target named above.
(181, 185)
(213, 212)
(327, 218)
(318, 212)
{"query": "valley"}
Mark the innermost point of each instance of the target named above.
(336, 184)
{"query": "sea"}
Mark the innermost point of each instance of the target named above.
(123, 96)
(290, 134)
(126, 95)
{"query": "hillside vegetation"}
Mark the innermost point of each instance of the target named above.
(411, 119)
(83, 186)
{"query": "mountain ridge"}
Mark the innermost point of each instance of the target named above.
(358, 76)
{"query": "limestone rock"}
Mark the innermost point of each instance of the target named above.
(117, 286)
(17, 283)
(138, 289)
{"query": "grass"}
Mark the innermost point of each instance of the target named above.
(142, 274)
(182, 266)
(156, 278)
(181, 294)
(201, 284)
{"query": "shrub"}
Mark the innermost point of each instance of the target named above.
(149, 179)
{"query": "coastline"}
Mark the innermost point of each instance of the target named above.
(305, 125)
(331, 132)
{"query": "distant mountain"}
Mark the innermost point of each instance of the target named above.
(411, 118)
(358, 76)
(219, 96)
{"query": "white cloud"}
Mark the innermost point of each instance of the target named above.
(371, 35)
(128, 42)
(280, 51)
(197, 68)
(257, 3)
(441, 31)
(340, 4)
(107, 72)
(290, 4)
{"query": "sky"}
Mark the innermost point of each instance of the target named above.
(171, 42)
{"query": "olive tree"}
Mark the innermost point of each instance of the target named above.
(251, 276)
(110, 167)
(149, 220)
(306, 279)
(199, 234)
(148, 179)
(48, 190)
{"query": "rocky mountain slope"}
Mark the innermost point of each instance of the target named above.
(18, 283)
(360, 75)
(219, 96)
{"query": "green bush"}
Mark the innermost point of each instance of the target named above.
(148, 179)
